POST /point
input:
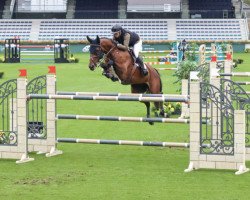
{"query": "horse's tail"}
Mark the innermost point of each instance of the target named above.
(160, 80)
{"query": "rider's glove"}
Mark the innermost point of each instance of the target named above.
(122, 47)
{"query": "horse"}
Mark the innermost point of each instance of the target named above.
(105, 50)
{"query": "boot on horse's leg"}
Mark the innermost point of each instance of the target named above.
(107, 71)
(143, 68)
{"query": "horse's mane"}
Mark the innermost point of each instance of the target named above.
(113, 42)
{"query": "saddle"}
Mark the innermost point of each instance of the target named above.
(132, 55)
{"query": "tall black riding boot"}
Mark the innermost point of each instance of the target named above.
(143, 69)
(107, 71)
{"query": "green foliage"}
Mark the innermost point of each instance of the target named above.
(75, 60)
(172, 109)
(183, 70)
(223, 46)
(247, 50)
(240, 61)
(184, 67)
(191, 53)
(236, 62)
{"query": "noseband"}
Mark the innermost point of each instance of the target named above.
(99, 53)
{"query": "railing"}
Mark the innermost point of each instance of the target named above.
(42, 8)
(154, 8)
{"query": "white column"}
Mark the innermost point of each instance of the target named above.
(22, 138)
(51, 120)
(194, 110)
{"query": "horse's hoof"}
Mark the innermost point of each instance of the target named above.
(151, 123)
(162, 114)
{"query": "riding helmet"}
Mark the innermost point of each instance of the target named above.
(116, 28)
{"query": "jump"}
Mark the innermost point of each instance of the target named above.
(104, 52)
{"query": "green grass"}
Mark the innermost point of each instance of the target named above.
(113, 172)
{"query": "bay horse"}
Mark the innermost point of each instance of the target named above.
(103, 50)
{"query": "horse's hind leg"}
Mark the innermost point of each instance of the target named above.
(159, 110)
(148, 111)
(155, 87)
(142, 88)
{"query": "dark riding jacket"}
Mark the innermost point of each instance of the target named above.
(127, 38)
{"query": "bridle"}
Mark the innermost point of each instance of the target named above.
(97, 54)
(102, 57)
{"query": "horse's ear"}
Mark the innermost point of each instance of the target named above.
(98, 39)
(89, 39)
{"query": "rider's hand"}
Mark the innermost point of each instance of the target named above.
(122, 47)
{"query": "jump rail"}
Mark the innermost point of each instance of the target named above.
(167, 69)
(160, 57)
(40, 54)
(127, 142)
(114, 118)
(112, 94)
(243, 83)
(127, 119)
(160, 98)
(160, 51)
(36, 46)
(158, 63)
(239, 74)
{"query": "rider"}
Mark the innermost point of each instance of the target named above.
(127, 39)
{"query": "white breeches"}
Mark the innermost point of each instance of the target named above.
(137, 48)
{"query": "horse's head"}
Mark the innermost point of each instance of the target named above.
(96, 53)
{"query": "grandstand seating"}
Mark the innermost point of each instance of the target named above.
(216, 29)
(78, 29)
(206, 29)
(98, 9)
(148, 29)
(15, 28)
